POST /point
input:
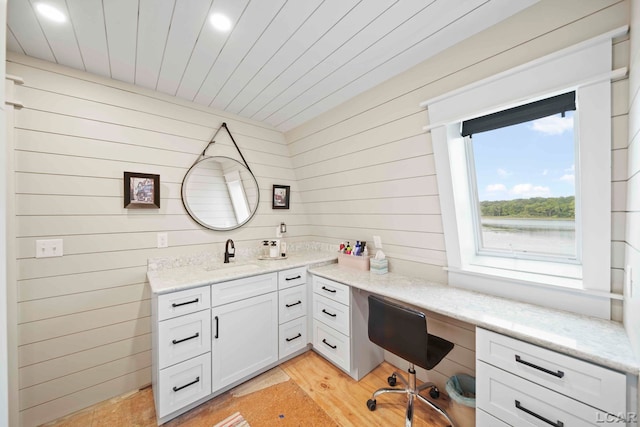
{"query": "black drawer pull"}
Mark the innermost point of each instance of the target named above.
(558, 374)
(540, 417)
(174, 305)
(333, 291)
(186, 339)
(293, 278)
(294, 338)
(328, 314)
(197, 380)
(324, 341)
(291, 305)
(216, 335)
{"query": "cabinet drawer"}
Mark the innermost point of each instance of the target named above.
(331, 313)
(183, 302)
(520, 402)
(332, 344)
(292, 336)
(592, 384)
(236, 290)
(330, 289)
(183, 384)
(485, 420)
(292, 303)
(292, 277)
(183, 337)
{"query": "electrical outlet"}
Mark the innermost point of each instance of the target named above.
(628, 282)
(163, 240)
(377, 241)
(49, 248)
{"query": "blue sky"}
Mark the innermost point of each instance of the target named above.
(533, 159)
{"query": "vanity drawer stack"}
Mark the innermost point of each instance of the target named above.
(331, 321)
(183, 360)
(521, 384)
(293, 299)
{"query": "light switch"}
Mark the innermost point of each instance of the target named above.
(49, 248)
(163, 240)
(377, 241)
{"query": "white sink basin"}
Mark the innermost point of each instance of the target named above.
(232, 268)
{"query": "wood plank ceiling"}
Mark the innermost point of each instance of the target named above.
(282, 63)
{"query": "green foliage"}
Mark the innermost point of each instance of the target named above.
(536, 207)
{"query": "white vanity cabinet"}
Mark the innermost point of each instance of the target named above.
(244, 328)
(340, 316)
(522, 384)
(293, 296)
(181, 373)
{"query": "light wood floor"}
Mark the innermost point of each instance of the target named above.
(334, 392)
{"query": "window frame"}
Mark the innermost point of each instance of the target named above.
(582, 288)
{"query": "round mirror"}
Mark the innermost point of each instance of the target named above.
(220, 193)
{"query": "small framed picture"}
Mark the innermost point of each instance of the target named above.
(141, 190)
(280, 197)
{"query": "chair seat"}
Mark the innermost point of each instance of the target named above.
(438, 349)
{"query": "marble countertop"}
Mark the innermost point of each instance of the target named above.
(203, 271)
(600, 341)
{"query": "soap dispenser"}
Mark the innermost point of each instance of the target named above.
(273, 249)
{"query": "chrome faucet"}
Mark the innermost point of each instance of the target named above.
(228, 254)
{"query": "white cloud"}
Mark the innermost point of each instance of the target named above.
(569, 177)
(495, 188)
(553, 125)
(530, 190)
(503, 173)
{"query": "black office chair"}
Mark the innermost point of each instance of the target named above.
(403, 331)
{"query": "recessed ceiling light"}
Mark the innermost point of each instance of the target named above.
(220, 22)
(50, 12)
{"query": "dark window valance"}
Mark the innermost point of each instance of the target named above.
(523, 113)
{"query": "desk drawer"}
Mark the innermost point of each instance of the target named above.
(330, 289)
(521, 403)
(236, 290)
(292, 277)
(183, 302)
(592, 384)
(331, 313)
(485, 420)
(332, 344)
(183, 337)
(183, 384)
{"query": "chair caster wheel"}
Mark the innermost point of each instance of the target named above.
(434, 392)
(392, 380)
(371, 404)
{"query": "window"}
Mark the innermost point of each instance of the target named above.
(570, 270)
(522, 180)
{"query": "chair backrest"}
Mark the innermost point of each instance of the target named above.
(398, 329)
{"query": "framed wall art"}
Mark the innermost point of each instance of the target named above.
(281, 196)
(141, 190)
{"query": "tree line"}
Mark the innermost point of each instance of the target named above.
(536, 207)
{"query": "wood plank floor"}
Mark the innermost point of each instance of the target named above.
(331, 398)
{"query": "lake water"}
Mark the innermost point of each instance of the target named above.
(530, 235)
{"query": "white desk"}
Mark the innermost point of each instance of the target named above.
(599, 341)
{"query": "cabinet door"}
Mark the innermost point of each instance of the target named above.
(245, 338)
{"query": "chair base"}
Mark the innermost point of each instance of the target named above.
(413, 392)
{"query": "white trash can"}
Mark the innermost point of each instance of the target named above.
(461, 389)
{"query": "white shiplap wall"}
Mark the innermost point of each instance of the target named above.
(83, 319)
(632, 183)
(366, 168)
